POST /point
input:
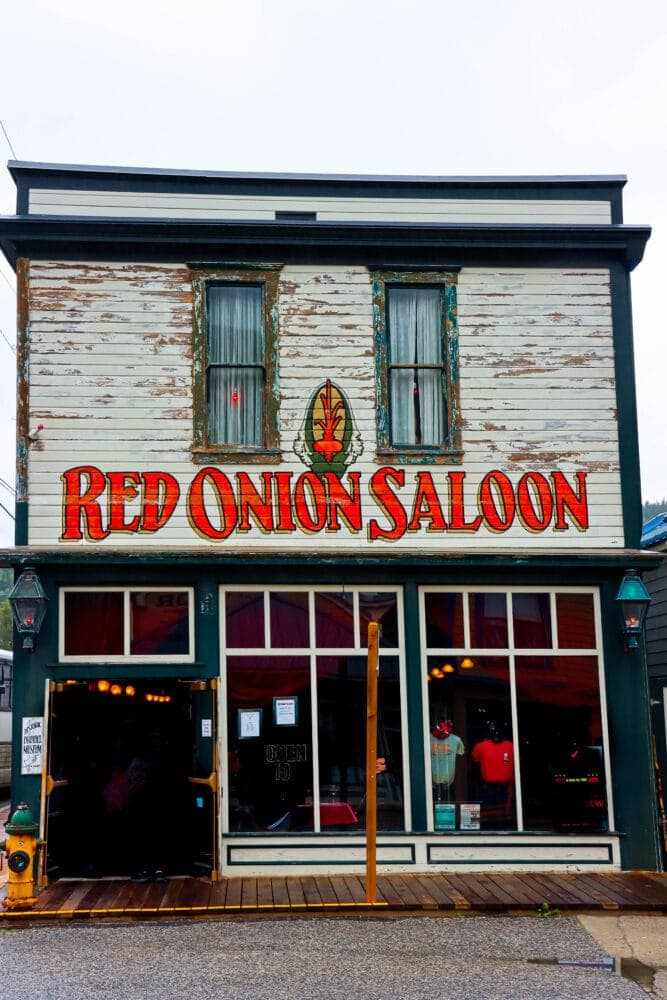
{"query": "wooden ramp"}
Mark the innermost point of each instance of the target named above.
(425, 893)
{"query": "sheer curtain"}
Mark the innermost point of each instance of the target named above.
(416, 397)
(235, 378)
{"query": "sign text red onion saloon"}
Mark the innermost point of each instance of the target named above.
(98, 504)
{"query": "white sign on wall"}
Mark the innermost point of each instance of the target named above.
(32, 745)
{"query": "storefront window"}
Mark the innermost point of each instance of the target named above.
(470, 743)
(532, 621)
(444, 620)
(159, 622)
(341, 698)
(269, 742)
(118, 623)
(562, 760)
(245, 620)
(488, 621)
(296, 722)
(289, 620)
(93, 623)
(576, 621)
(514, 741)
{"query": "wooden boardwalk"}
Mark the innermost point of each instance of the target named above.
(416, 893)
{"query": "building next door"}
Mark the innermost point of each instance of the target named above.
(131, 783)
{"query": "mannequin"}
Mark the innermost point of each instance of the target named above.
(495, 757)
(445, 748)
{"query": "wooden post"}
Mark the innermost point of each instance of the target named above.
(371, 762)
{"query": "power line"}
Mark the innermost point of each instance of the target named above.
(7, 512)
(10, 346)
(8, 282)
(8, 139)
(8, 486)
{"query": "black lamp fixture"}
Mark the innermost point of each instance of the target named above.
(28, 602)
(633, 600)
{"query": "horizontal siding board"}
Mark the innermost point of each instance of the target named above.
(115, 204)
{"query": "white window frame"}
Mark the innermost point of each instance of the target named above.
(312, 652)
(511, 652)
(126, 656)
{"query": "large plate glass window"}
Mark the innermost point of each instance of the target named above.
(516, 735)
(295, 691)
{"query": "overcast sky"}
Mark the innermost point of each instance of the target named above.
(353, 86)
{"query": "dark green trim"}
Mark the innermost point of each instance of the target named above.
(130, 671)
(630, 746)
(70, 238)
(449, 450)
(626, 404)
(21, 522)
(205, 451)
(415, 717)
(22, 380)
(402, 561)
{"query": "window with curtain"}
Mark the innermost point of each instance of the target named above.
(415, 366)
(416, 363)
(235, 371)
(235, 375)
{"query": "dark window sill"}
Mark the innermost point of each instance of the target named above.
(420, 456)
(242, 456)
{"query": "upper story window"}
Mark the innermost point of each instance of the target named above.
(235, 370)
(416, 359)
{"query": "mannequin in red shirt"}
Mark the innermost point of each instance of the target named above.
(495, 757)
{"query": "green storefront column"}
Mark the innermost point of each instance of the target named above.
(632, 774)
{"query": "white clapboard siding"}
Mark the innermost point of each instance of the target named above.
(133, 204)
(111, 380)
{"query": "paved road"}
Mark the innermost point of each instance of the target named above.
(348, 958)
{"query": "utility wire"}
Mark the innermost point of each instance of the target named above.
(8, 512)
(10, 346)
(8, 486)
(8, 282)
(8, 139)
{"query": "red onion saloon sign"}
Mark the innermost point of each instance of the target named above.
(382, 505)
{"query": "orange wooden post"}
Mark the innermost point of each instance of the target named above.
(371, 762)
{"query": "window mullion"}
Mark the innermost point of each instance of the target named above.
(514, 708)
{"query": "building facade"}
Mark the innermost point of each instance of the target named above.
(654, 539)
(256, 413)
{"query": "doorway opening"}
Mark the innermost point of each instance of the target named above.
(121, 801)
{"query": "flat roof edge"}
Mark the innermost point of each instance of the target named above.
(29, 166)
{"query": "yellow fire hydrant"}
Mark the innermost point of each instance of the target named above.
(21, 847)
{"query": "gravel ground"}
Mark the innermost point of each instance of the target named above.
(365, 959)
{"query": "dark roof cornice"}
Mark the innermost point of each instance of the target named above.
(372, 243)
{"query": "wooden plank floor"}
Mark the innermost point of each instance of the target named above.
(414, 892)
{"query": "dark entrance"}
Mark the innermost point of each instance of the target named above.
(130, 788)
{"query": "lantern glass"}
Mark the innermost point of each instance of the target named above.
(633, 600)
(28, 603)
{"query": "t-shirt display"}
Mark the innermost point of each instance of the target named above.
(496, 760)
(443, 758)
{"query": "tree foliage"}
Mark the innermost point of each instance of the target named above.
(653, 507)
(6, 626)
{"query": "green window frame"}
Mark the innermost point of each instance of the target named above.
(397, 375)
(265, 448)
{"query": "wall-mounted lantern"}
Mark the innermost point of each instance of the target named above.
(633, 600)
(28, 602)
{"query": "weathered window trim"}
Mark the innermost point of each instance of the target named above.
(450, 451)
(203, 451)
